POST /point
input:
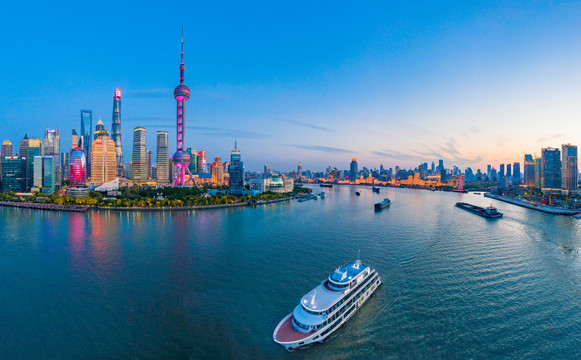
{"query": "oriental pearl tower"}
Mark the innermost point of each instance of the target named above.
(181, 159)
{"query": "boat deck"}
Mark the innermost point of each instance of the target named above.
(287, 333)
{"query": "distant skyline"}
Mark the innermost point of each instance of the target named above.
(389, 83)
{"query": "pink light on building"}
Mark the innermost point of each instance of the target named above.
(78, 167)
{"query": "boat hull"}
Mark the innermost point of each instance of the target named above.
(326, 332)
(478, 211)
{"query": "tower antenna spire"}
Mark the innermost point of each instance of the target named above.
(182, 66)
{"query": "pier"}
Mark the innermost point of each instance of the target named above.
(529, 205)
(40, 206)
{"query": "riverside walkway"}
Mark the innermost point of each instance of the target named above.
(40, 206)
(529, 205)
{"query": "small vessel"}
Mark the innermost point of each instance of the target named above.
(375, 189)
(489, 212)
(477, 193)
(381, 205)
(357, 193)
(326, 185)
(328, 306)
(322, 195)
(577, 216)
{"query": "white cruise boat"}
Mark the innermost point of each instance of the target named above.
(328, 306)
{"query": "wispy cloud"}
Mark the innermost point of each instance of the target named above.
(324, 149)
(305, 124)
(549, 138)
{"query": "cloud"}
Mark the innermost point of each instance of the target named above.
(549, 138)
(304, 124)
(324, 149)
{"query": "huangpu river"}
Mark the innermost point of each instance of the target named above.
(215, 283)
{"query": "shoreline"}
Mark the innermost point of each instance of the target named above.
(543, 208)
(85, 208)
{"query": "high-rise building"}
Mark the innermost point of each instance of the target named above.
(13, 173)
(52, 147)
(181, 159)
(236, 171)
(353, 171)
(501, 171)
(78, 167)
(6, 151)
(162, 157)
(85, 137)
(65, 165)
(570, 171)
(538, 171)
(441, 165)
(433, 167)
(217, 172)
(550, 168)
(74, 140)
(266, 173)
(103, 159)
(43, 177)
(128, 169)
(488, 170)
(508, 170)
(149, 165)
(140, 169)
(516, 173)
(300, 171)
(529, 170)
(193, 167)
(201, 161)
(6, 148)
(116, 130)
(34, 149)
(100, 126)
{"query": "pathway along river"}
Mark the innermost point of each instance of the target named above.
(214, 283)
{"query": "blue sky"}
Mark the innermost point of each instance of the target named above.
(393, 83)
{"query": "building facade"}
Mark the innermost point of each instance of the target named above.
(218, 172)
(570, 171)
(550, 168)
(52, 147)
(13, 173)
(353, 170)
(139, 170)
(236, 172)
(103, 159)
(78, 167)
(116, 130)
(162, 158)
(85, 137)
(529, 171)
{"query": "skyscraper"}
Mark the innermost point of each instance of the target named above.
(100, 126)
(6, 151)
(139, 169)
(529, 170)
(78, 167)
(74, 140)
(218, 172)
(43, 177)
(353, 171)
(162, 157)
(570, 172)
(149, 165)
(193, 167)
(501, 171)
(538, 172)
(201, 158)
(181, 159)
(116, 130)
(85, 138)
(550, 168)
(300, 171)
(6, 148)
(266, 173)
(65, 165)
(508, 171)
(52, 147)
(34, 149)
(441, 165)
(516, 173)
(103, 159)
(13, 173)
(236, 171)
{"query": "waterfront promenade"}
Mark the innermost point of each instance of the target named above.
(530, 205)
(41, 206)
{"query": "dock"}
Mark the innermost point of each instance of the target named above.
(529, 205)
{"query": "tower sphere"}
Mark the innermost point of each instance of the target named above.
(181, 92)
(181, 157)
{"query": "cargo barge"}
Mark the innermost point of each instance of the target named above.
(381, 205)
(489, 212)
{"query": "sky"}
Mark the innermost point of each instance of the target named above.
(387, 82)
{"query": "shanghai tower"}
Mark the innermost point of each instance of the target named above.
(181, 159)
(116, 130)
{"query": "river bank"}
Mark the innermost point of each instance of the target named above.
(40, 206)
(529, 205)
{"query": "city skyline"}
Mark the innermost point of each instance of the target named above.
(485, 86)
